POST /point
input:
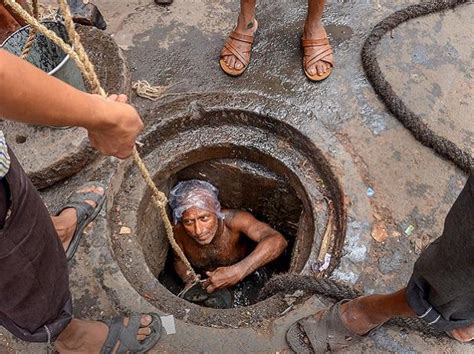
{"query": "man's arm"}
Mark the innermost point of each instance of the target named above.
(182, 271)
(29, 95)
(270, 245)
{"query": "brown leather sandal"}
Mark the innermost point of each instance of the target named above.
(240, 46)
(315, 50)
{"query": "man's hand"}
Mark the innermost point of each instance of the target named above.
(222, 277)
(116, 137)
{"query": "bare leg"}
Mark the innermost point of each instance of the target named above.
(246, 24)
(313, 29)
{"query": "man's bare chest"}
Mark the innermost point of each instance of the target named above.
(226, 251)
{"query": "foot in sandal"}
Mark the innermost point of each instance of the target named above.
(134, 334)
(235, 56)
(318, 59)
(81, 208)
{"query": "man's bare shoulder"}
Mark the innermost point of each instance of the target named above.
(179, 233)
(237, 219)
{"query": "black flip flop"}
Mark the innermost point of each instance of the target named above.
(85, 213)
(127, 335)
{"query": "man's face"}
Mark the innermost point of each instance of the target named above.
(200, 224)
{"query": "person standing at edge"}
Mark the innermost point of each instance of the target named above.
(318, 60)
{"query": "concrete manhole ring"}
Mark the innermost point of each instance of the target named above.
(197, 142)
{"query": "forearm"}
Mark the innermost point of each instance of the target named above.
(266, 251)
(29, 95)
(182, 271)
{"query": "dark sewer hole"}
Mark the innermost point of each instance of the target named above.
(20, 139)
(252, 187)
(260, 164)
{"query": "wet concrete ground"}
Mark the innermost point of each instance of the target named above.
(428, 61)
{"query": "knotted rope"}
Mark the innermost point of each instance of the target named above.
(79, 55)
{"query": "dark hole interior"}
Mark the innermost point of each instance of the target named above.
(252, 187)
(20, 139)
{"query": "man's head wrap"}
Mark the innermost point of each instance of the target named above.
(194, 194)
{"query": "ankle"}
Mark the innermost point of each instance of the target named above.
(358, 319)
(313, 28)
(246, 24)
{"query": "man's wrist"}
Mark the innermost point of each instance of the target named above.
(101, 115)
(241, 271)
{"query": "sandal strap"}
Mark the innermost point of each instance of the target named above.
(83, 210)
(317, 42)
(77, 201)
(320, 50)
(115, 328)
(241, 37)
(323, 55)
(239, 53)
(127, 335)
(81, 197)
(235, 52)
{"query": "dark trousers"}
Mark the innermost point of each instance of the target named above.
(441, 289)
(35, 302)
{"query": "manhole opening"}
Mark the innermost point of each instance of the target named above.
(248, 180)
(287, 181)
(249, 186)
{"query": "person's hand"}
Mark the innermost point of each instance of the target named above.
(116, 135)
(222, 277)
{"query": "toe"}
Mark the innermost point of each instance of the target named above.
(232, 62)
(146, 320)
(238, 65)
(320, 68)
(312, 70)
(326, 67)
(92, 189)
(141, 337)
(144, 331)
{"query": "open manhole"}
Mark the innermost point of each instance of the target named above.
(260, 165)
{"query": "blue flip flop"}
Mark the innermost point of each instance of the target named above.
(84, 211)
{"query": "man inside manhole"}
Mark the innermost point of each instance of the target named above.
(214, 241)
